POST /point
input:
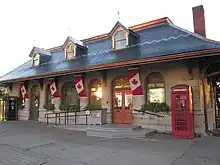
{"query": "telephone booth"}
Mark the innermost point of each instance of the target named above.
(10, 107)
(182, 111)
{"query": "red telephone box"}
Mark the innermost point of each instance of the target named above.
(182, 111)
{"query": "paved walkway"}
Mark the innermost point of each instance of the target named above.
(30, 143)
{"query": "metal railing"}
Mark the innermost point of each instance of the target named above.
(66, 115)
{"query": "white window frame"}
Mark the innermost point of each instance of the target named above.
(74, 51)
(36, 60)
(125, 38)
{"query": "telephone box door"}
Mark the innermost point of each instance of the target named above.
(182, 115)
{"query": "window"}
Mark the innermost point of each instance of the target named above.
(36, 60)
(155, 88)
(95, 92)
(120, 40)
(70, 51)
(121, 82)
(70, 96)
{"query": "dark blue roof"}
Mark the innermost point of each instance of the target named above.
(162, 40)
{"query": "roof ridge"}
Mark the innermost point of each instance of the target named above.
(133, 28)
(195, 34)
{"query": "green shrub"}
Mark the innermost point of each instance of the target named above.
(93, 107)
(155, 107)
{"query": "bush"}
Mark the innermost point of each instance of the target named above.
(69, 107)
(49, 107)
(156, 107)
(73, 108)
(93, 107)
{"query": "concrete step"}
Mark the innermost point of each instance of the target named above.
(119, 131)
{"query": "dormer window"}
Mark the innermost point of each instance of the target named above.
(39, 56)
(70, 51)
(120, 39)
(36, 60)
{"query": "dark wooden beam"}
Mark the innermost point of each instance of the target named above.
(9, 86)
(104, 77)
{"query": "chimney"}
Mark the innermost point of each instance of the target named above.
(199, 20)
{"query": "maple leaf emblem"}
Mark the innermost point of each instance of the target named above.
(52, 88)
(22, 91)
(134, 81)
(79, 86)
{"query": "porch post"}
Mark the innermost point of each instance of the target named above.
(53, 85)
(56, 102)
(78, 81)
(136, 88)
(24, 114)
(42, 110)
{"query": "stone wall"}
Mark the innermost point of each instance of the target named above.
(173, 72)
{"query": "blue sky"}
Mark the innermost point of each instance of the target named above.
(47, 21)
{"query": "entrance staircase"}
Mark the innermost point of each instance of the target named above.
(119, 131)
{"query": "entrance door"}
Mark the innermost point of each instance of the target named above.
(35, 102)
(122, 112)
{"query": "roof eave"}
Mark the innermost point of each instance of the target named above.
(179, 56)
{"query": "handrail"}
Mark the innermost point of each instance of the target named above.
(58, 115)
(150, 113)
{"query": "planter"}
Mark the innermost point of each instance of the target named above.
(97, 117)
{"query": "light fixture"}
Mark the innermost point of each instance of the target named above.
(99, 92)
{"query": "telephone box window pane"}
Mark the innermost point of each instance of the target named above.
(156, 95)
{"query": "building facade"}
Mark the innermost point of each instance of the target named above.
(121, 71)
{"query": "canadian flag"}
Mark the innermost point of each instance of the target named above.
(53, 88)
(135, 83)
(23, 91)
(79, 86)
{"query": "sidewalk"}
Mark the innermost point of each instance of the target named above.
(36, 144)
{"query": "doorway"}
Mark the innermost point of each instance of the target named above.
(122, 101)
(35, 103)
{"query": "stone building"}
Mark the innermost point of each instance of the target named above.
(121, 71)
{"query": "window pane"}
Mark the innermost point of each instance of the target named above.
(95, 92)
(120, 44)
(120, 35)
(128, 99)
(156, 95)
(70, 96)
(36, 61)
(118, 99)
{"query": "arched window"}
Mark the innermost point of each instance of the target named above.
(95, 88)
(121, 82)
(155, 88)
(69, 95)
(70, 51)
(120, 39)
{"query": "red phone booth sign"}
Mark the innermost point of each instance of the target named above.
(182, 111)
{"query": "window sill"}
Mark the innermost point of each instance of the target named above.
(122, 49)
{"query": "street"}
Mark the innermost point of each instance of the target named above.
(31, 143)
